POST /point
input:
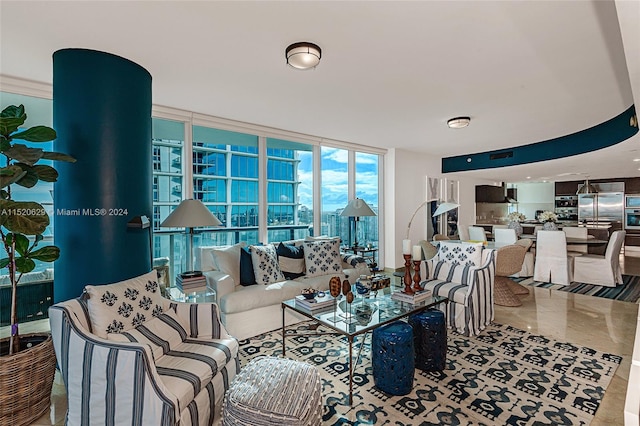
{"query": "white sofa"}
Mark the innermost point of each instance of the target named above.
(172, 369)
(465, 273)
(247, 311)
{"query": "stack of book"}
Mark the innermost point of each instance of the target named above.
(191, 282)
(411, 298)
(316, 304)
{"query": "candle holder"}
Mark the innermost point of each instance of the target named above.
(416, 276)
(407, 274)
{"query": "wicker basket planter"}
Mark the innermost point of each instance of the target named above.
(26, 379)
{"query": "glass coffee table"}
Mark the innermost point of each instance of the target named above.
(360, 317)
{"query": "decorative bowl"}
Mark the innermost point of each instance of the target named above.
(309, 293)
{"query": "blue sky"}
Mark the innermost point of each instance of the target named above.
(334, 163)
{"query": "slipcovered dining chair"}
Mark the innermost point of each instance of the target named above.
(529, 261)
(552, 264)
(602, 270)
(504, 236)
(440, 237)
(476, 233)
(576, 232)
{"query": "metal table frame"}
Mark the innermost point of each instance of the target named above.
(336, 329)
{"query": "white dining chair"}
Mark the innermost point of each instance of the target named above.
(576, 232)
(529, 258)
(504, 237)
(553, 264)
(476, 233)
(602, 270)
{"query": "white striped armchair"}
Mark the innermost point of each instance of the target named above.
(465, 274)
(172, 369)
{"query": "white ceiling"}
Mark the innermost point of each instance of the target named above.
(392, 72)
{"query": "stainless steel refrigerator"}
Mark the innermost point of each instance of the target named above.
(603, 207)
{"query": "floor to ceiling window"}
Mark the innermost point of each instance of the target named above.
(335, 192)
(39, 112)
(225, 179)
(289, 190)
(193, 158)
(367, 188)
(167, 138)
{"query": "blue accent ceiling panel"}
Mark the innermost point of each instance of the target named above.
(597, 137)
(102, 113)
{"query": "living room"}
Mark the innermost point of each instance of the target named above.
(395, 189)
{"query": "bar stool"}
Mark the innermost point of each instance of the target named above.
(393, 358)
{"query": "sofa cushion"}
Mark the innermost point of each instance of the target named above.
(162, 333)
(322, 257)
(291, 260)
(456, 292)
(460, 253)
(247, 276)
(190, 366)
(121, 306)
(265, 264)
(254, 297)
(227, 260)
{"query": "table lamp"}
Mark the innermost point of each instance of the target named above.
(190, 214)
(357, 208)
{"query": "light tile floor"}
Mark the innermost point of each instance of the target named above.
(598, 323)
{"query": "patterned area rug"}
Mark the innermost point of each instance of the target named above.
(629, 291)
(504, 376)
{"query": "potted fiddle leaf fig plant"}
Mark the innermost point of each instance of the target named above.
(27, 370)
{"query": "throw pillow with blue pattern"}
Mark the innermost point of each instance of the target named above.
(265, 264)
(465, 254)
(118, 307)
(322, 257)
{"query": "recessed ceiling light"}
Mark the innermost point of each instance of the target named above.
(303, 55)
(636, 159)
(528, 177)
(458, 122)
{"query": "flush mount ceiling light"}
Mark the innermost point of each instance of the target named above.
(458, 122)
(303, 55)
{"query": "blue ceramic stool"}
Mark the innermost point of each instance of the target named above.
(430, 340)
(392, 358)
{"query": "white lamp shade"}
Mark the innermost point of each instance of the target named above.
(445, 207)
(191, 214)
(357, 208)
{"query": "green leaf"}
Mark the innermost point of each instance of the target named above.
(13, 111)
(36, 134)
(10, 174)
(24, 217)
(11, 118)
(58, 156)
(30, 178)
(46, 254)
(4, 144)
(25, 264)
(24, 154)
(46, 173)
(22, 242)
(4, 262)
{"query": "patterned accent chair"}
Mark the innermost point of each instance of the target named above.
(173, 368)
(465, 273)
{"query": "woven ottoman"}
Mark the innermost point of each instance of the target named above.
(392, 358)
(274, 391)
(430, 339)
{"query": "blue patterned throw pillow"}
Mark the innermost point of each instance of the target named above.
(466, 254)
(265, 264)
(322, 257)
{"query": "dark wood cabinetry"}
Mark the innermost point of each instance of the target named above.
(567, 188)
(489, 194)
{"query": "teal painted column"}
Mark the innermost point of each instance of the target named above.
(102, 114)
